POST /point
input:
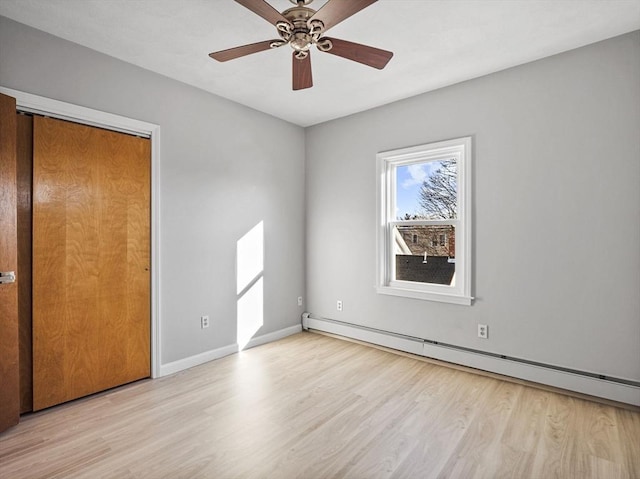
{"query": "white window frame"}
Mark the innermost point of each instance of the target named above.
(387, 162)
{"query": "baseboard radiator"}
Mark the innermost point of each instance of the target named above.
(615, 389)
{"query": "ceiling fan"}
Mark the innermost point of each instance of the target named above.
(301, 27)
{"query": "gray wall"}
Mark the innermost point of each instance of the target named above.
(556, 215)
(557, 197)
(223, 167)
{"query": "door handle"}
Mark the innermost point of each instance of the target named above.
(7, 277)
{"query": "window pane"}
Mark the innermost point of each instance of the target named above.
(427, 190)
(429, 259)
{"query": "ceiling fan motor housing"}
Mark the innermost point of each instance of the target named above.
(298, 33)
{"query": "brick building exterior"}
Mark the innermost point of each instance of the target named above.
(439, 244)
(434, 240)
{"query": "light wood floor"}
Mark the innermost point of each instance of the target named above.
(312, 406)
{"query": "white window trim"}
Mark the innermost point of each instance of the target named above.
(386, 163)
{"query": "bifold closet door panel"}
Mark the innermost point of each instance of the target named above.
(91, 260)
(9, 364)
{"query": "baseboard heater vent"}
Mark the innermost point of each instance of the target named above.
(613, 388)
(535, 363)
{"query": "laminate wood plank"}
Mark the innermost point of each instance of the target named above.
(599, 426)
(555, 443)
(414, 414)
(628, 441)
(523, 431)
(9, 348)
(310, 406)
(24, 211)
(482, 439)
(454, 413)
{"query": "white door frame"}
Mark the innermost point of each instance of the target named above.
(28, 102)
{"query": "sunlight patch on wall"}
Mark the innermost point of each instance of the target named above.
(250, 313)
(249, 284)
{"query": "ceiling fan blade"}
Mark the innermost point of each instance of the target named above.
(302, 73)
(335, 11)
(262, 8)
(373, 57)
(237, 52)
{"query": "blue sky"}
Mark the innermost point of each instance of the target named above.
(408, 181)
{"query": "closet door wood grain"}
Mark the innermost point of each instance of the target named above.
(24, 174)
(9, 365)
(91, 260)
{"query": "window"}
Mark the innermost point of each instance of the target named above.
(424, 211)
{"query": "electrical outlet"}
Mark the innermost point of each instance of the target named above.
(204, 322)
(299, 300)
(483, 331)
(339, 305)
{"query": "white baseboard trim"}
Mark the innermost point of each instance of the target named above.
(186, 363)
(625, 393)
(270, 337)
(196, 360)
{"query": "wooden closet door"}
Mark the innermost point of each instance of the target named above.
(91, 260)
(9, 367)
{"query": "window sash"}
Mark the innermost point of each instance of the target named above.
(423, 222)
(460, 150)
(391, 166)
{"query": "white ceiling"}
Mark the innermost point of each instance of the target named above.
(435, 43)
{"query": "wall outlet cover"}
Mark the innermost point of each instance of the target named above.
(483, 331)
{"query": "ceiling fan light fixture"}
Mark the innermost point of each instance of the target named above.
(300, 42)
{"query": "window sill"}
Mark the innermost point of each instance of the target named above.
(426, 295)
